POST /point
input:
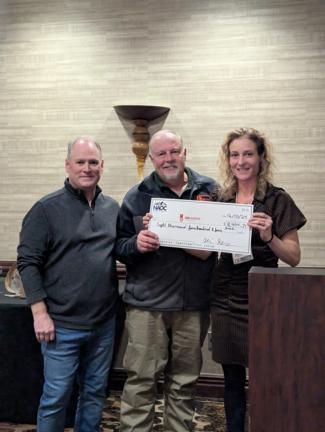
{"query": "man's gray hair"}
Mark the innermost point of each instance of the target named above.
(83, 139)
(164, 132)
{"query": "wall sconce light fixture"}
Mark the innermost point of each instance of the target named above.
(140, 116)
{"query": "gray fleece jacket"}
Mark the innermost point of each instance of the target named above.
(66, 257)
(169, 278)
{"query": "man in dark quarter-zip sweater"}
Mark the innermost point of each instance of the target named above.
(67, 265)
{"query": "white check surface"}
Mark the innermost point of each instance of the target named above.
(206, 225)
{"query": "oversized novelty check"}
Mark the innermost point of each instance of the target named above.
(206, 225)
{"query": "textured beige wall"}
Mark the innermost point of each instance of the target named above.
(218, 64)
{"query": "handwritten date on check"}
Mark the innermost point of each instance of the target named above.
(206, 225)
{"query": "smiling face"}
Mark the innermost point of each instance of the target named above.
(168, 158)
(84, 166)
(244, 160)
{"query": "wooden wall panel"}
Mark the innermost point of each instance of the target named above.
(286, 352)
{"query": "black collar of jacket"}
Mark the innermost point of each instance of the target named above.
(153, 183)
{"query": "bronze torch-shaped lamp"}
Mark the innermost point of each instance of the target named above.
(141, 116)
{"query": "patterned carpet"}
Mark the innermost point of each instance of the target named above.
(209, 417)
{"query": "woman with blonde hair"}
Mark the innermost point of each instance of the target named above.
(246, 167)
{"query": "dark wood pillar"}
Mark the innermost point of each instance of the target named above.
(287, 349)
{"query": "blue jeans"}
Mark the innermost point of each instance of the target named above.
(87, 354)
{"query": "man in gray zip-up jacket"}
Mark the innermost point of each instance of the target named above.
(167, 293)
(67, 264)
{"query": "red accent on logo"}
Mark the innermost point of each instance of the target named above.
(203, 198)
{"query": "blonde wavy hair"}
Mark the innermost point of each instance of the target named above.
(229, 181)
